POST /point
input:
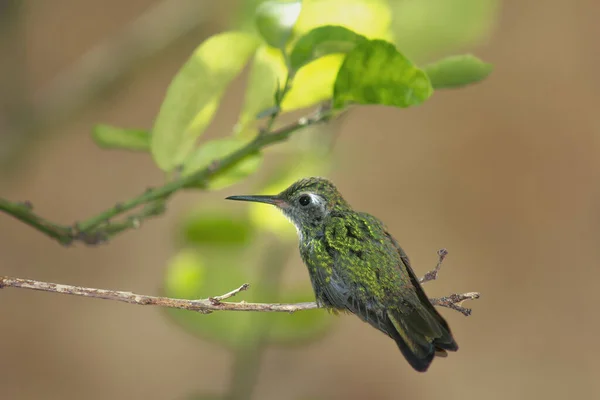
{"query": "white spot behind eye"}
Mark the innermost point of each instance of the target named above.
(316, 199)
(320, 202)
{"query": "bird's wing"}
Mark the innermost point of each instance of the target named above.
(391, 298)
(426, 319)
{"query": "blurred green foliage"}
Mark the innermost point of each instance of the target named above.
(457, 71)
(300, 53)
(214, 150)
(112, 137)
(194, 94)
(215, 227)
(191, 275)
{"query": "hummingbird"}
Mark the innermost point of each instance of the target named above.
(356, 266)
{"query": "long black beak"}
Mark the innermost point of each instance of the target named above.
(274, 200)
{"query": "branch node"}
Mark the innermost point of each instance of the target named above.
(91, 238)
(26, 205)
(213, 166)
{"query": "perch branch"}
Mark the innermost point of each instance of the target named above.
(210, 304)
(203, 306)
(101, 227)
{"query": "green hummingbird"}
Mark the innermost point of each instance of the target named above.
(356, 265)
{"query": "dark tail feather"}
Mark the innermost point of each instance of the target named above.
(421, 335)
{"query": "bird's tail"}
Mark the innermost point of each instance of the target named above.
(421, 334)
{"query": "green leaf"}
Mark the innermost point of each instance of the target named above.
(313, 83)
(212, 227)
(214, 150)
(457, 71)
(111, 137)
(423, 28)
(195, 93)
(376, 73)
(275, 20)
(302, 326)
(191, 276)
(323, 41)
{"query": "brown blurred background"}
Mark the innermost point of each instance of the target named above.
(504, 174)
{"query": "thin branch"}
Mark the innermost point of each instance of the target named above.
(203, 306)
(453, 301)
(101, 227)
(23, 212)
(433, 274)
(219, 299)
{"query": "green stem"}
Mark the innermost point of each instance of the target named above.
(22, 212)
(165, 191)
(281, 93)
(99, 228)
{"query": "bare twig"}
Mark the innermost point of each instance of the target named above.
(204, 306)
(453, 301)
(219, 299)
(433, 274)
(215, 303)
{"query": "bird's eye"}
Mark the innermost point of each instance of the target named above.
(304, 200)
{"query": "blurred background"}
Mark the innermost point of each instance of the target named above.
(504, 174)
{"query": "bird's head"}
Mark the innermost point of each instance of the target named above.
(306, 202)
